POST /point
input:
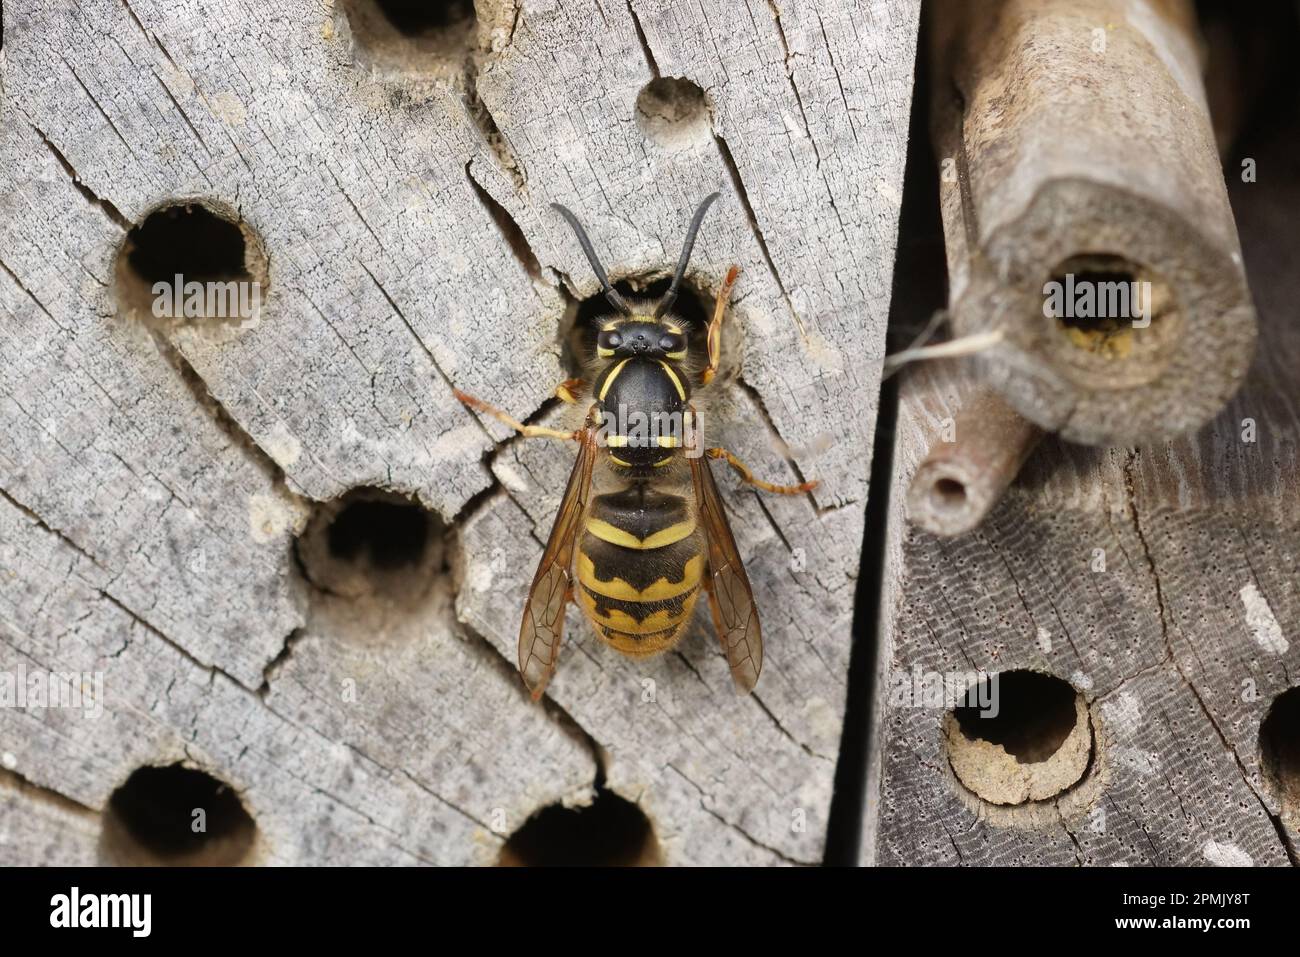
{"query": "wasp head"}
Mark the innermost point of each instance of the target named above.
(641, 336)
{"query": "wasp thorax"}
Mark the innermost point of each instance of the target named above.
(644, 409)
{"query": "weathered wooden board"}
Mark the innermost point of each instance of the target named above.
(152, 483)
(1179, 646)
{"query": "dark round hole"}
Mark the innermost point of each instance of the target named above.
(221, 266)
(371, 541)
(1279, 747)
(948, 493)
(611, 832)
(387, 534)
(413, 18)
(1019, 737)
(1108, 307)
(419, 38)
(189, 240)
(1035, 714)
(671, 110)
(176, 815)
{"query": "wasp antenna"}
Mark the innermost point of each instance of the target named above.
(615, 300)
(670, 296)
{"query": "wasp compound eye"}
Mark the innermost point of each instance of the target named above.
(609, 340)
(670, 343)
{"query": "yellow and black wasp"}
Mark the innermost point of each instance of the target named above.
(641, 528)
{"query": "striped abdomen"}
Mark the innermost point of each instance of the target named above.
(639, 563)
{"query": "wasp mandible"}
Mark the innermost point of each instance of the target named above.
(641, 528)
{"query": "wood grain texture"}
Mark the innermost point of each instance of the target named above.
(1179, 646)
(152, 483)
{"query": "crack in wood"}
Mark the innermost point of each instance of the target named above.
(480, 115)
(91, 196)
(225, 421)
(736, 828)
(641, 39)
(1275, 819)
(738, 184)
(46, 527)
(555, 711)
(10, 779)
(779, 443)
(274, 666)
(510, 230)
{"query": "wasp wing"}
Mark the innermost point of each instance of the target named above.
(730, 597)
(543, 624)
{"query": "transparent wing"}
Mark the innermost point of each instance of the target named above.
(543, 624)
(730, 597)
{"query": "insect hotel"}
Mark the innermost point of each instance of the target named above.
(516, 433)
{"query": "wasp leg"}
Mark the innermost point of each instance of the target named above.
(715, 327)
(747, 476)
(527, 431)
(570, 390)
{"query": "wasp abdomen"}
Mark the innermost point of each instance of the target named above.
(639, 565)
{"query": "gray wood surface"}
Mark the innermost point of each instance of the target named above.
(1179, 647)
(153, 481)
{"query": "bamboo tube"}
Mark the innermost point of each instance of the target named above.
(960, 481)
(1075, 147)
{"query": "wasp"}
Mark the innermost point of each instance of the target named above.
(641, 528)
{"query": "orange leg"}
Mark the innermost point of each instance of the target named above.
(527, 431)
(715, 327)
(570, 390)
(747, 476)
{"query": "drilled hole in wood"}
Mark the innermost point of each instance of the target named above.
(693, 308)
(419, 37)
(1108, 308)
(1019, 736)
(1034, 716)
(672, 111)
(610, 832)
(178, 816)
(1279, 748)
(188, 262)
(948, 495)
(372, 542)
